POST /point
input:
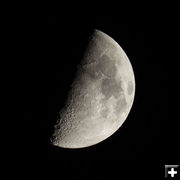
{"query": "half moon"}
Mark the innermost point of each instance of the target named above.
(101, 96)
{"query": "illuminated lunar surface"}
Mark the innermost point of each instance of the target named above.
(100, 98)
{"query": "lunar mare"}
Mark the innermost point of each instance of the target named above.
(100, 98)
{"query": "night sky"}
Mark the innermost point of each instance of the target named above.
(139, 148)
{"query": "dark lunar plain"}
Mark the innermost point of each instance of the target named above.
(145, 142)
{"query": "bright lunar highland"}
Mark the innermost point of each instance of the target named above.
(100, 98)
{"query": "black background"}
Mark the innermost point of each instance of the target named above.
(148, 138)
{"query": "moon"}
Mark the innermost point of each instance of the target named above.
(100, 98)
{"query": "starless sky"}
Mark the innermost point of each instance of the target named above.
(141, 142)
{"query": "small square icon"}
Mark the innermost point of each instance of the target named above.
(171, 171)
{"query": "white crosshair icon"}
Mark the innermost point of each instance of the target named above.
(172, 172)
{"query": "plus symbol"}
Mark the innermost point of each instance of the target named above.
(172, 172)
